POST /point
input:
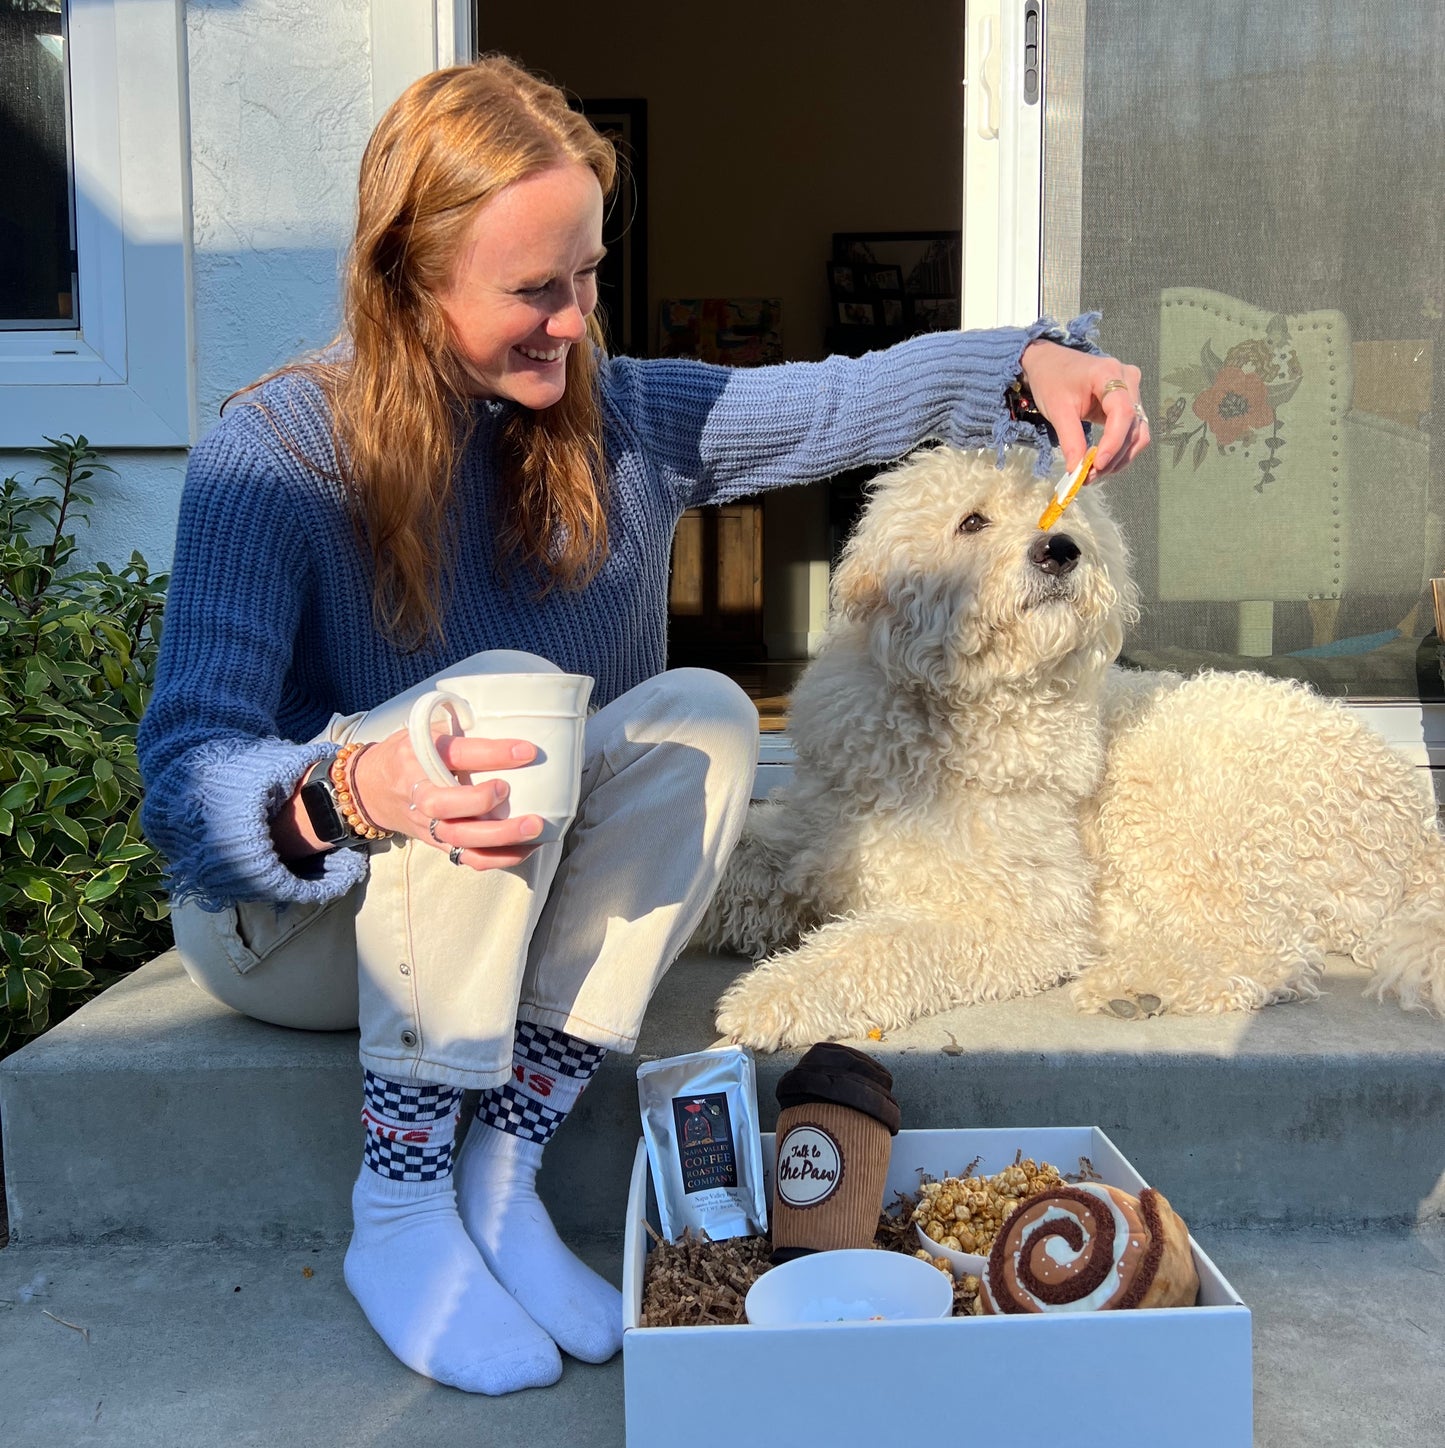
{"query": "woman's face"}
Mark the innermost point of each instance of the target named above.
(525, 283)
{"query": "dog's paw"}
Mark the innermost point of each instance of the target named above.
(1132, 1008)
(1101, 992)
(769, 1010)
(757, 1016)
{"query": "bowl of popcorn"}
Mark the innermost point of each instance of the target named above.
(958, 1218)
(855, 1284)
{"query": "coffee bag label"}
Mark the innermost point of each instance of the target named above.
(810, 1166)
(705, 1142)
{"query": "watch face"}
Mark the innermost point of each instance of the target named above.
(319, 802)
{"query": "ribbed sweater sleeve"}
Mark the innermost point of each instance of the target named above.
(719, 433)
(214, 766)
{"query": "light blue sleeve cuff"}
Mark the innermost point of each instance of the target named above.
(1008, 431)
(234, 791)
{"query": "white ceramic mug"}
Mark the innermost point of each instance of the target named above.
(547, 710)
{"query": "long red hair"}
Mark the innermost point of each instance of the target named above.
(400, 407)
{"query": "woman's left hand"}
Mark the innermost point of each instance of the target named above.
(1070, 388)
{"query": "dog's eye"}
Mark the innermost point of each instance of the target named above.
(974, 523)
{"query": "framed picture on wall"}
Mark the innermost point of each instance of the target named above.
(622, 278)
(735, 331)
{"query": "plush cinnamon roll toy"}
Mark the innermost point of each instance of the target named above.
(1085, 1247)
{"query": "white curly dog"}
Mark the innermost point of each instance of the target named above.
(982, 807)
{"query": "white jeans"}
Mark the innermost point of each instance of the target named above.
(437, 963)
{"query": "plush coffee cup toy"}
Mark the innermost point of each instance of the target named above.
(833, 1143)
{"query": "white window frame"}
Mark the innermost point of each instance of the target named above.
(1002, 172)
(124, 376)
(1005, 143)
(402, 49)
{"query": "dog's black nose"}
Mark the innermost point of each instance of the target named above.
(1054, 553)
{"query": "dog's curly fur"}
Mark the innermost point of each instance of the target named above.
(982, 807)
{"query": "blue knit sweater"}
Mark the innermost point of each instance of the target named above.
(268, 624)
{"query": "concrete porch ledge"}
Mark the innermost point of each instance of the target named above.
(155, 1115)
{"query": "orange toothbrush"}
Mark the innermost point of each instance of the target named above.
(1067, 490)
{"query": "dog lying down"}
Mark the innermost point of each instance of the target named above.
(983, 807)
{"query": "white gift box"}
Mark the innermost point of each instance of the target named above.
(1166, 1377)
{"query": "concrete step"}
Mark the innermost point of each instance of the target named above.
(170, 1347)
(155, 1116)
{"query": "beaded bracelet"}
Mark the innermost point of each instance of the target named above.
(1022, 408)
(343, 771)
(1021, 404)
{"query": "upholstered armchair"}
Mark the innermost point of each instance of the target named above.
(1272, 486)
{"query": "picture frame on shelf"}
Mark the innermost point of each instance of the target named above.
(856, 313)
(842, 280)
(622, 277)
(885, 281)
(930, 262)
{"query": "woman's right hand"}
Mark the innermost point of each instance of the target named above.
(395, 794)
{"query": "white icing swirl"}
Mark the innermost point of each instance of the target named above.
(1108, 1288)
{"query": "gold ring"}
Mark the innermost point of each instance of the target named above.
(431, 829)
(1113, 385)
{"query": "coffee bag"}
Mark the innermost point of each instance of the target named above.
(700, 1121)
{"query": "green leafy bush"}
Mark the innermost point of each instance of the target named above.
(81, 895)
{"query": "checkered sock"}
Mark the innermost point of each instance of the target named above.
(497, 1194)
(419, 1280)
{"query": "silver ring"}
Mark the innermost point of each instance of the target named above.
(1140, 413)
(455, 854)
(431, 829)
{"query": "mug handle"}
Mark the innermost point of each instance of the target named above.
(418, 729)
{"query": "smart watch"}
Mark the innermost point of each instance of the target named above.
(323, 809)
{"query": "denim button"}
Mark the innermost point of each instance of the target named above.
(408, 1039)
(405, 968)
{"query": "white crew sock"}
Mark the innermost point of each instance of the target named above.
(497, 1194)
(411, 1266)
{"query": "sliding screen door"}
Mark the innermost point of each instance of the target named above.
(1253, 197)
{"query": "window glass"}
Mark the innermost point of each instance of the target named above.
(1262, 223)
(37, 262)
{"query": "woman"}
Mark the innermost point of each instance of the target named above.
(463, 475)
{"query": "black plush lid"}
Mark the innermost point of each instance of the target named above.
(839, 1074)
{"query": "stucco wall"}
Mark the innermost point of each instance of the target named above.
(280, 109)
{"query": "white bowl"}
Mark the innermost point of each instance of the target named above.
(855, 1285)
(964, 1264)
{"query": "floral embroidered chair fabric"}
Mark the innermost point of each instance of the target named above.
(1270, 487)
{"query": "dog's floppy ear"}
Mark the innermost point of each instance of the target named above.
(858, 592)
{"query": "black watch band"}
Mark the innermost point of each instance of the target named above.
(323, 809)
